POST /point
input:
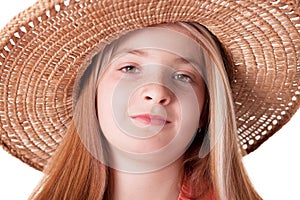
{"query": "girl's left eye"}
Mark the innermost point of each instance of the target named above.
(130, 69)
(183, 77)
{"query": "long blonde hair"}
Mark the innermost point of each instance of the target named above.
(213, 162)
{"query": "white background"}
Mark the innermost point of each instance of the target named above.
(274, 168)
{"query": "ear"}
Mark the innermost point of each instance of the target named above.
(199, 130)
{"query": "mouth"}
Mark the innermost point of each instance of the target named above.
(148, 119)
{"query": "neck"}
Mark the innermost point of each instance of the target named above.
(161, 184)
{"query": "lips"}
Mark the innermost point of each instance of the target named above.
(148, 119)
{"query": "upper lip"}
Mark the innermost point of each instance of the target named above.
(150, 118)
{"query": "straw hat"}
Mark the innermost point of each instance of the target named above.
(43, 48)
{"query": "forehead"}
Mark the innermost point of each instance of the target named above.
(165, 38)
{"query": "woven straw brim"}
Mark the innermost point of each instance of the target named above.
(42, 49)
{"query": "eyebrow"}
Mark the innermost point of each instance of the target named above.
(138, 52)
(144, 53)
(188, 61)
(183, 60)
(179, 59)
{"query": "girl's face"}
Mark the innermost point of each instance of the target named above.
(151, 94)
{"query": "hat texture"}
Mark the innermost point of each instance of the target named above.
(43, 48)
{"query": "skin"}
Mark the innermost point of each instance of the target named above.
(158, 92)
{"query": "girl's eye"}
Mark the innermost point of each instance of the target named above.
(130, 69)
(183, 77)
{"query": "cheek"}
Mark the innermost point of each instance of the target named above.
(104, 99)
(201, 95)
(190, 109)
(191, 102)
(200, 91)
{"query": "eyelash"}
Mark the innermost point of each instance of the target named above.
(183, 77)
(177, 76)
(129, 69)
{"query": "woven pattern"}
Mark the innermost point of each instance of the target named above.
(43, 48)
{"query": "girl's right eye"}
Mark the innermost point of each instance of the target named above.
(130, 69)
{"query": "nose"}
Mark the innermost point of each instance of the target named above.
(157, 94)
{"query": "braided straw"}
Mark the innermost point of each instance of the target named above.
(43, 48)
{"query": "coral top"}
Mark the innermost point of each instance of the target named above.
(186, 193)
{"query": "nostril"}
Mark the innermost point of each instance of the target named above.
(148, 98)
(162, 101)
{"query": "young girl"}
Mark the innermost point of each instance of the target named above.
(154, 116)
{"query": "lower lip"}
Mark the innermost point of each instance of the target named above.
(148, 121)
